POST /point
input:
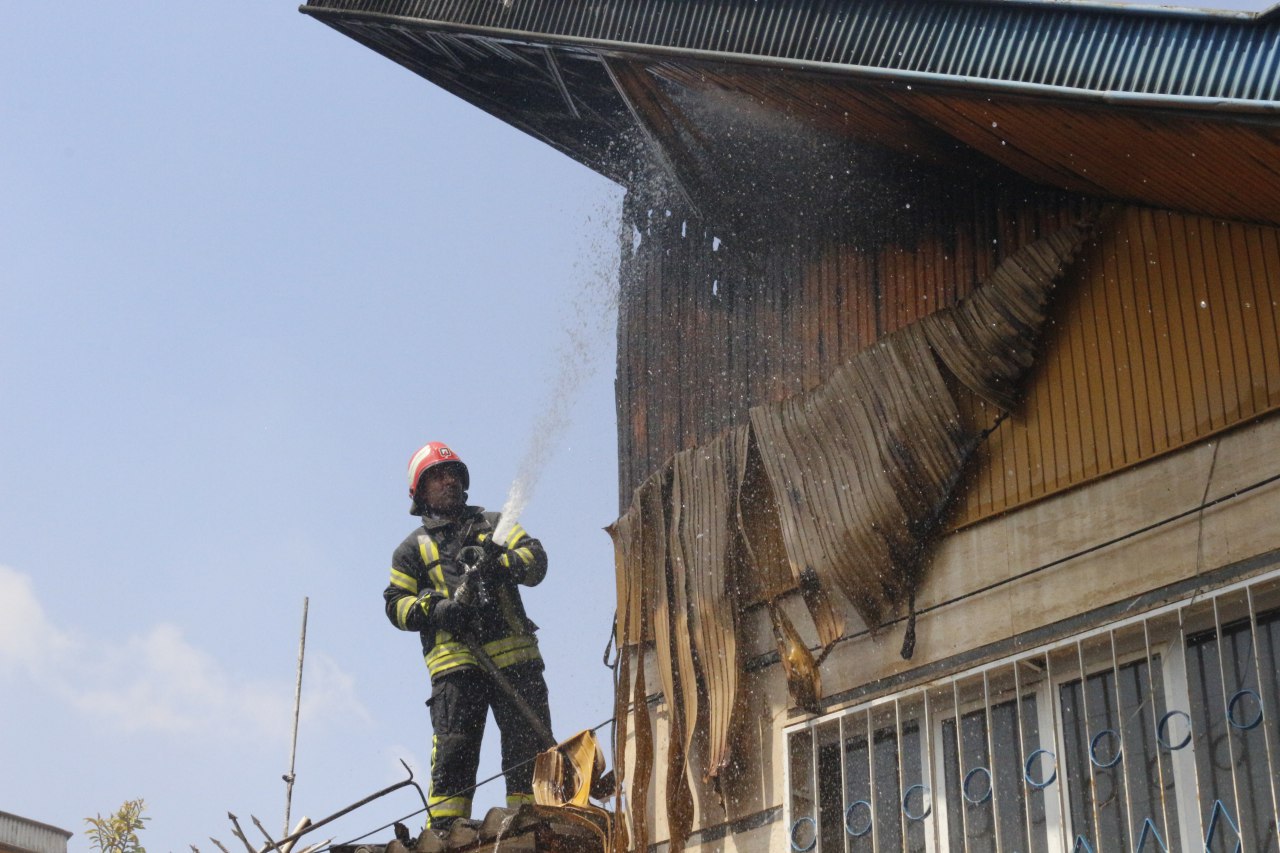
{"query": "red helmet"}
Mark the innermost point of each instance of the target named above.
(428, 456)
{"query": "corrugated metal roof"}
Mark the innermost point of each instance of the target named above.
(1058, 46)
(22, 833)
(1173, 108)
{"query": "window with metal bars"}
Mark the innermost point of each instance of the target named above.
(982, 760)
(1154, 733)
(1234, 696)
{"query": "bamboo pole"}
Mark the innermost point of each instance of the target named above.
(297, 705)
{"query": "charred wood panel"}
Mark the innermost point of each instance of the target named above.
(709, 328)
(1134, 365)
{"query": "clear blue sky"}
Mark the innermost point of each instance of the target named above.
(248, 267)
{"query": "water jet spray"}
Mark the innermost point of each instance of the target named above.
(594, 308)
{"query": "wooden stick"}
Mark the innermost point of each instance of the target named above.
(302, 824)
(297, 706)
(271, 844)
(239, 833)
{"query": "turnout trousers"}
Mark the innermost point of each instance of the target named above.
(460, 702)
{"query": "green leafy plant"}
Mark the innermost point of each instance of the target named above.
(118, 833)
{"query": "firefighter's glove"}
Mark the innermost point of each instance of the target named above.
(424, 601)
(491, 546)
(452, 615)
(509, 562)
(470, 592)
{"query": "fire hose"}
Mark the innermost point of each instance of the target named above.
(477, 560)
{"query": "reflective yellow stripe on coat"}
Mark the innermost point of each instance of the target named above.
(404, 605)
(448, 653)
(430, 553)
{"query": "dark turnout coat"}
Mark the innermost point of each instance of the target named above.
(425, 574)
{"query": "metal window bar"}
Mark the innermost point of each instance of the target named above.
(1022, 754)
(1222, 674)
(1155, 723)
(846, 837)
(1189, 814)
(815, 758)
(1125, 760)
(1266, 729)
(959, 730)
(902, 776)
(933, 822)
(814, 796)
(993, 765)
(1091, 795)
(871, 784)
(1055, 725)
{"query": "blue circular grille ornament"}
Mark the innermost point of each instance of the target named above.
(848, 813)
(1031, 760)
(812, 841)
(1234, 703)
(926, 807)
(964, 787)
(1164, 721)
(1093, 749)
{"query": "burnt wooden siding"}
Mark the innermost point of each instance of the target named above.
(1166, 330)
(707, 332)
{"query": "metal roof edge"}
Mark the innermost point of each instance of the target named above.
(1118, 8)
(1113, 7)
(35, 823)
(988, 84)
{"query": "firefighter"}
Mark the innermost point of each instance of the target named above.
(464, 617)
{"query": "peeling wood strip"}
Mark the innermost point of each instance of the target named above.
(686, 671)
(771, 573)
(704, 486)
(679, 799)
(988, 340)
(625, 552)
(639, 801)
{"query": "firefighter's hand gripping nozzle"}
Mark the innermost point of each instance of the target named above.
(473, 591)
